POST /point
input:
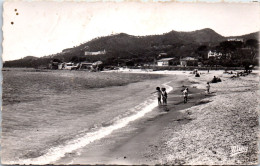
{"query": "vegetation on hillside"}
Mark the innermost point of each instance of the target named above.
(123, 48)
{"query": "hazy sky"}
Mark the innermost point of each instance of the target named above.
(44, 28)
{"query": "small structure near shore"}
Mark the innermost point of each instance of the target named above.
(165, 62)
(55, 64)
(59, 65)
(188, 61)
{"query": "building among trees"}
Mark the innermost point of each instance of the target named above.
(95, 53)
(214, 54)
(165, 62)
(189, 61)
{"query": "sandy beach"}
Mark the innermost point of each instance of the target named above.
(202, 131)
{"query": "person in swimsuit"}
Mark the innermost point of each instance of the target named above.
(185, 95)
(164, 96)
(208, 87)
(159, 95)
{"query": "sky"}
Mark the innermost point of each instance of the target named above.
(44, 27)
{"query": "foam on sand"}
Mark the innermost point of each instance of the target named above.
(58, 152)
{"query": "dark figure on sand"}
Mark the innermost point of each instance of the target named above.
(159, 95)
(208, 87)
(164, 96)
(215, 79)
(185, 95)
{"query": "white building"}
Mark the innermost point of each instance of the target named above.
(165, 62)
(162, 54)
(236, 39)
(189, 61)
(214, 54)
(95, 53)
(69, 66)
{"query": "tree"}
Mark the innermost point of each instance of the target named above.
(82, 58)
(228, 46)
(212, 61)
(57, 60)
(252, 43)
(202, 48)
(246, 63)
(202, 51)
(74, 59)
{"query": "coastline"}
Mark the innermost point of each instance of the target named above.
(59, 126)
(199, 132)
(202, 131)
(132, 145)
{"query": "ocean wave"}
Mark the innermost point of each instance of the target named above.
(56, 153)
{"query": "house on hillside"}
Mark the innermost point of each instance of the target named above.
(189, 61)
(95, 53)
(215, 54)
(235, 39)
(162, 54)
(165, 62)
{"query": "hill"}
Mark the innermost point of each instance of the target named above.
(140, 49)
(124, 46)
(254, 35)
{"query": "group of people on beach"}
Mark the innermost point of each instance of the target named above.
(161, 95)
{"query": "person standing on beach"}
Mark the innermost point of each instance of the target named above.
(185, 95)
(208, 87)
(164, 96)
(159, 95)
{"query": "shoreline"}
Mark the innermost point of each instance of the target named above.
(44, 138)
(56, 119)
(128, 143)
(199, 132)
(184, 133)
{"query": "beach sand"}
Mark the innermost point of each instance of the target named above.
(225, 121)
(203, 131)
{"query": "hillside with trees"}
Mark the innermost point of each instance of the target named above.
(145, 49)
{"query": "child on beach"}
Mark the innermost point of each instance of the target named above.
(185, 95)
(164, 96)
(159, 95)
(208, 87)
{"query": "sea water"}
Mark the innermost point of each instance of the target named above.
(100, 131)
